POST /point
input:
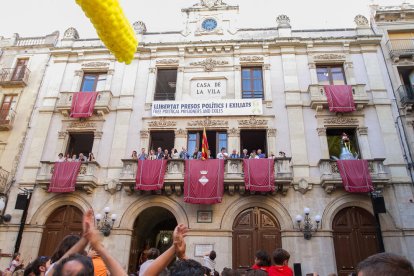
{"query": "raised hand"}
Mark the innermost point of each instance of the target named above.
(179, 243)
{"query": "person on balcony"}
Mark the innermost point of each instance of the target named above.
(253, 155)
(222, 154)
(166, 154)
(260, 154)
(184, 154)
(234, 154)
(67, 158)
(74, 158)
(134, 155)
(91, 157)
(142, 155)
(196, 154)
(152, 155)
(160, 154)
(272, 156)
(82, 158)
(245, 154)
(60, 158)
(175, 154)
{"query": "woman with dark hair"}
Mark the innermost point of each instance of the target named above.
(81, 263)
(64, 246)
(262, 261)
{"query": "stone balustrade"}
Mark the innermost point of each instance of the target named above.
(331, 179)
(4, 176)
(87, 178)
(319, 101)
(102, 105)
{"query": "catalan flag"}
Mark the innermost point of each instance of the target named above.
(204, 146)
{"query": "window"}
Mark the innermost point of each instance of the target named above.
(8, 106)
(163, 139)
(334, 136)
(252, 82)
(216, 141)
(330, 75)
(93, 82)
(20, 69)
(165, 87)
(80, 143)
(253, 140)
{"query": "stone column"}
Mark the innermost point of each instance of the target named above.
(365, 151)
(180, 139)
(267, 83)
(144, 141)
(151, 78)
(62, 142)
(237, 73)
(233, 140)
(77, 80)
(97, 136)
(179, 87)
(109, 77)
(313, 74)
(271, 141)
(323, 142)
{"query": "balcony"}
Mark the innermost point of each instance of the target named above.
(87, 178)
(102, 105)
(7, 119)
(4, 176)
(319, 101)
(14, 77)
(400, 48)
(233, 176)
(331, 179)
(406, 94)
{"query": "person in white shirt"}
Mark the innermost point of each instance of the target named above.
(222, 154)
(60, 158)
(82, 158)
(209, 261)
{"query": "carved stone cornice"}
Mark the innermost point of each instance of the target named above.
(209, 64)
(62, 134)
(329, 57)
(82, 125)
(180, 133)
(96, 64)
(321, 131)
(167, 61)
(251, 59)
(271, 132)
(341, 121)
(253, 122)
(233, 132)
(162, 123)
(144, 134)
(207, 123)
(362, 130)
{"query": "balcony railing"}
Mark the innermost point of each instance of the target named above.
(319, 100)
(4, 176)
(102, 105)
(406, 93)
(164, 96)
(87, 178)
(18, 76)
(233, 176)
(400, 48)
(331, 179)
(7, 118)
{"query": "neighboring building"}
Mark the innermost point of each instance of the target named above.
(23, 61)
(284, 69)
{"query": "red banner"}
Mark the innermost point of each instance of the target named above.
(150, 174)
(204, 181)
(83, 104)
(64, 177)
(355, 176)
(259, 174)
(340, 98)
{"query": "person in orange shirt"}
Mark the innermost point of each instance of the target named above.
(281, 259)
(99, 266)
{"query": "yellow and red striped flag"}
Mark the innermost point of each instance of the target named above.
(204, 146)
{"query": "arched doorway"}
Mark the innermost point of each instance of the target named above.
(254, 229)
(152, 228)
(355, 238)
(63, 221)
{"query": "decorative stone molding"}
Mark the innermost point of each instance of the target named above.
(139, 27)
(302, 186)
(362, 130)
(78, 73)
(96, 64)
(144, 134)
(329, 57)
(62, 134)
(271, 132)
(162, 123)
(321, 131)
(97, 134)
(71, 34)
(113, 186)
(349, 64)
(252, 122)
(82, 125)
(283, 21)
(361, 21)
(152, 70)
(237, 67)
(207, 123)
(211, 3)
(209, 64)
(312, 66)
(266, 66)
(180, 133)
(341, 121)
(167, 61)
(233, 132)
(251, 59)
(180, 69)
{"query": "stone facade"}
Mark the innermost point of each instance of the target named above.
(295, 118)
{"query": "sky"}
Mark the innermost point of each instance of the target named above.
(40, 17)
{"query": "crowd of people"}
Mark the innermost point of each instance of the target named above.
(71, 259)
(75, 158)
(196, 154)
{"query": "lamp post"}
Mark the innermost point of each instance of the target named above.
(105, 223)
(308, 226)
(6, 217)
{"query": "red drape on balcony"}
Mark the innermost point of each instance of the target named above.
(355, 176)
(64, 177)
(83, 104)
(204, 181)
(259, 174)
(150, 174)
(340, 98)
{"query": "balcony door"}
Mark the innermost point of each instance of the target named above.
(8, 105)
(20, 69)
(216, 140)
(330, 74)
(93, 82)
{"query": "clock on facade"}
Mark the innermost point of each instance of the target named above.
(209, 24)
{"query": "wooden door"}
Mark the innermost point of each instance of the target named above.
(20, 69)
(355, 238)
(9, 102)
(64, 221)
(254, 229)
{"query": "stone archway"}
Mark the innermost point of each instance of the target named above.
(152, 228)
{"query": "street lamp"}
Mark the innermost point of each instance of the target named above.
(105, 223)
(3, 218)
(308, 227)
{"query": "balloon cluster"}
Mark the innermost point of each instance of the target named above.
(112, 27)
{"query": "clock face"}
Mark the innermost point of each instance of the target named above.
(209, 24)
